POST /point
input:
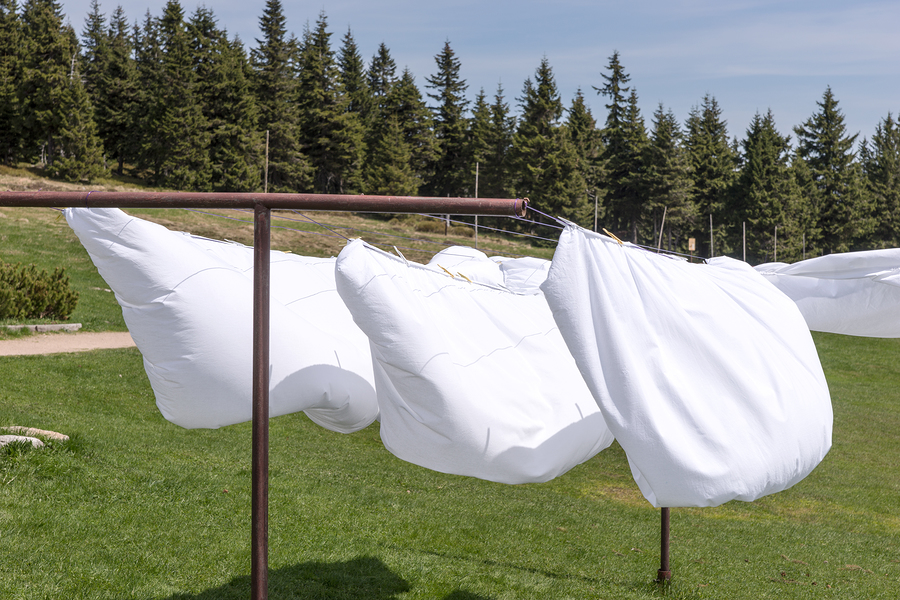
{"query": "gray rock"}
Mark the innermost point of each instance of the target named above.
(8, 439)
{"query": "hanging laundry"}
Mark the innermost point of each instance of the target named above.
(524, 275)
(471, 379)
(853, 293)
(468, 262)
(188, 304)
(706, 374)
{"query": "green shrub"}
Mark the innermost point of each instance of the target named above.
(430, 226)
(26, 293)
(462, 230)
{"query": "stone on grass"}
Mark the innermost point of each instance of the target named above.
(9, 439)
(31, 431)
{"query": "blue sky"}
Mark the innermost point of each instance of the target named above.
(751, 55)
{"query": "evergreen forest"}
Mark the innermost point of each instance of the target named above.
(175, 102)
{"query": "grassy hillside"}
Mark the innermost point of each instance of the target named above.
(41, 236)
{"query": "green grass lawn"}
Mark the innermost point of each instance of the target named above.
(135, 507)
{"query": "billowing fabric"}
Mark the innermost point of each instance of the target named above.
(468, 262)
(471, 379)
(524, 275)
(853, 293)
(188, 304)
(706, 374)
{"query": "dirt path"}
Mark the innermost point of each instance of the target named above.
(52, 343)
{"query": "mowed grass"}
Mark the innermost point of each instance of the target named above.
(135, 507)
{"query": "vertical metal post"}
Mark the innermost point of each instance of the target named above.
(259, 533)
(664, 574)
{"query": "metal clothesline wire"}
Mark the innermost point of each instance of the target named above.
(333, 229)
(336, 234)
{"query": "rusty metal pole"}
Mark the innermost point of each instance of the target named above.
(259, 505)
(664, 574)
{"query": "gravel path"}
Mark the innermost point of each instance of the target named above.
(52, 343)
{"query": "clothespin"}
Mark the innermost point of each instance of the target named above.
(464, 277)
(612, 236)
(448, 272)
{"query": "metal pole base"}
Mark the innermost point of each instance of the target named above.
(663, 576)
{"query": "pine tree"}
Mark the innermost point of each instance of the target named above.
(713, 165)
(182, 131)
(148, 147)
(624, 137)
(839, 200)
(406, 105)
(380, 79)
(453, 171)
(496, 174)
(94, 48)
(111, 83)
(764, 193)
(353, 76)
(10, 82)
(331, 136)
(80, 149)
(480, 129)
(275, 91)
(668, 182)
(58, 116)
(229, 108)
(390, 173)
(880, 160)
(545, 163)
(581, 128)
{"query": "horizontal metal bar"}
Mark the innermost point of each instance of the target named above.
(322, 202)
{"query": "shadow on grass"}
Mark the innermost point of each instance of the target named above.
(364, 578)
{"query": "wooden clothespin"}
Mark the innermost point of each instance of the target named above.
(612, 236)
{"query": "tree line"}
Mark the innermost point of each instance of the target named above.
(176, 102)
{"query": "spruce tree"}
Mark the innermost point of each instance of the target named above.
(497, 179)
(330, 135)
(624, 137)
(275, 90)
(668, 182)
(10, 82)
(353, 76)
(880, 159)
(839, 199)
(116, 94)
(389, 172)
(581, 128)
(80, 148)
(58, 117)
(406, 105)
(545, 162)
(453, 171)
(182, 130)
(713, 165)
(764, 194)
(380, 79)
(229, 108)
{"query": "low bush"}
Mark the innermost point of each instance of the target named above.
(26, 293)
(430, 226)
